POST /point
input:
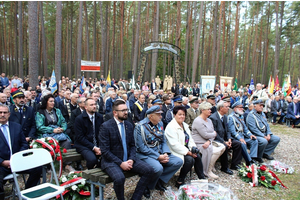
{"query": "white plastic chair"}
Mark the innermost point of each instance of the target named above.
(10, 179)
(32, 158)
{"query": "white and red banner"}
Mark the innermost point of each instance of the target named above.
(90, 66)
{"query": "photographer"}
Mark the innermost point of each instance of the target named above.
(182, 145)
(152, 148)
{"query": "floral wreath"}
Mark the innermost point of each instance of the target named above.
(53, 147)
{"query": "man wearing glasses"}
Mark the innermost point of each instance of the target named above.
(239, 131)
(258, 125)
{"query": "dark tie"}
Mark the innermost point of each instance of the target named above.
(222, 119)
(94, 135)
(20, 111)
(124, 141)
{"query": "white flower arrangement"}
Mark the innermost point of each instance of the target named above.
(74, 187)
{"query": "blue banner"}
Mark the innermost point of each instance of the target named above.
(53, 84)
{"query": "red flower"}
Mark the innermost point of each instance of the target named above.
(65, 151)
(57, 146)
(56, 150)
(84, 193)
(44, 146)
(51, 141)
(58, 158)
(262, 178)
(263, 168)
(51, 152)
(273, 183)
(249, 175)
(30, 147)
(52, 146)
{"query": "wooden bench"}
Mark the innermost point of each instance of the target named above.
(72, 156)
(98, 177)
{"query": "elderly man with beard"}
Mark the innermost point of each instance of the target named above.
(23, 115)
(258, 125)
(239, 131)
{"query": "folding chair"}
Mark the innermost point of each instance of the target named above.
(32, 158)
(10, 179)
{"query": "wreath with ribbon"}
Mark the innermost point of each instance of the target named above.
(54, 149)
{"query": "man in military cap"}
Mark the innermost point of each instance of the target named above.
(152, 148)
(239, 131)
(23, 115)
(192, 112)
(177, 102)
(211, 99)
(258, 125)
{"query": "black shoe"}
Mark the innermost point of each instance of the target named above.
(259, 160)
(147, 193)
(159, 186)
(266, 156)
(179, 183)
(79, 167)
(227, 171)
(236, 167)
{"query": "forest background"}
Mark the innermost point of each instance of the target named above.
(229, 38)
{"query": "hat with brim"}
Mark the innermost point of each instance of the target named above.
(17, 93)
(258, 102)
(210, 97)
(154, 109)
(177, 99)
(157, 101)
(227, 99)
(236, 104)
(194, 99)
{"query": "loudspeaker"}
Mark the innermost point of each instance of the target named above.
(129, 75)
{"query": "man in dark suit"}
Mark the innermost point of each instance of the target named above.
(12, 140)
(276, 110)
(219, 120)
(119, 152)
(139, 109)
(175, 89)
(99, 101)
(75, 113)
(211, 99)
(59, 97)
(196, 91)
(87, 127)
(293, 112)
(133, 99)
(153, 86)
(23, 115)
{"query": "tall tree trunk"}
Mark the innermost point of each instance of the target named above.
(87, 42)
(155, 38)
(70, 63)
(43, 40)
(203, 40)
(235, 43)
(219, 38)
(58, 41)
(103, 39)
(147, 36)
(196, 44)
(33, 44)
(223, 43)
(113, 42)
(213, 67)
(187, 42)
(277, 41)
(79, 40)
(136, 42)
(16, 39)
(121, 38)
(5, 39)
(291, 54)
(20, 24)
(265, 62)
(283, 62)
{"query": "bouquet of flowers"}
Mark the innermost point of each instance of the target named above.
(260, 175)
(75, 186)
(281, 167)
(54, 149)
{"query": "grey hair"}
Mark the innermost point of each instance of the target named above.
(205, 106)
(45, 92)
(80, 99)
(27, 92)
(6, 106)
(72, 95)
(220, 104)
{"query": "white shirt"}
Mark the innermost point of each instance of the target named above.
(220, 115)
(90, 116)
(119, 126)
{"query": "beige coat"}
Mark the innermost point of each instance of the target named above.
(190, 116)
(176, 138)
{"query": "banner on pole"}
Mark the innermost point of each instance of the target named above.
(207, 83)
(90, 66)
(226, 83)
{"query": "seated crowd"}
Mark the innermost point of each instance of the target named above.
(153, 133)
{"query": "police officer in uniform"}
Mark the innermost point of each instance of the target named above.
(240, 132)
(23, 115)
(258, 125)
(152, 148)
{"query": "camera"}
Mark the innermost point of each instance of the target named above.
(195, 150)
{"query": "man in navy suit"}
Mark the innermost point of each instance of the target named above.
(119, 152)
(12, 140)
(23, 115)
(293, 112)
(86, 128)
(219, 120)
(276, 110)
